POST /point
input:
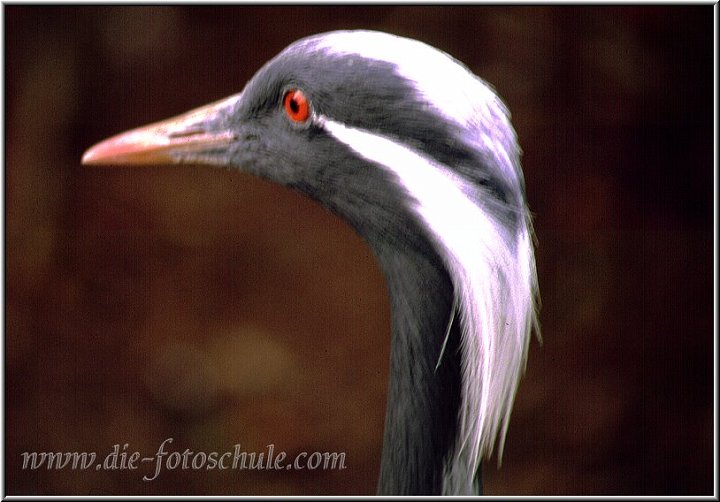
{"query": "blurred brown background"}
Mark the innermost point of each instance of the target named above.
(214, 308)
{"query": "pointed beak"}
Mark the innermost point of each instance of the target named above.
(196, 136)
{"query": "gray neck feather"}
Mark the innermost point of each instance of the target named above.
(423, 400)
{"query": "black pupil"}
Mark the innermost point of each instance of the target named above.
(294, 105)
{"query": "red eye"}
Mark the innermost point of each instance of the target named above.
(296, 105)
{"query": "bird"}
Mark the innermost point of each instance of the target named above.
(418, 155)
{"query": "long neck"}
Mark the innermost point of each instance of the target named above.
(423, 396)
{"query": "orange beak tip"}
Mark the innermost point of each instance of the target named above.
(89, 158)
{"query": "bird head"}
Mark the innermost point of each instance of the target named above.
(326, 116)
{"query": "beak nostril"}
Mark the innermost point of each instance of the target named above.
(186, 133)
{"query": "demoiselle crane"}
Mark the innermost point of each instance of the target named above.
(419, 156)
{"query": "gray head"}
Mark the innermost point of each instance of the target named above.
(399, 89)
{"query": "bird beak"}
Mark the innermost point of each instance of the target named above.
(191, 137)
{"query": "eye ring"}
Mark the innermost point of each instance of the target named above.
(296, 106)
